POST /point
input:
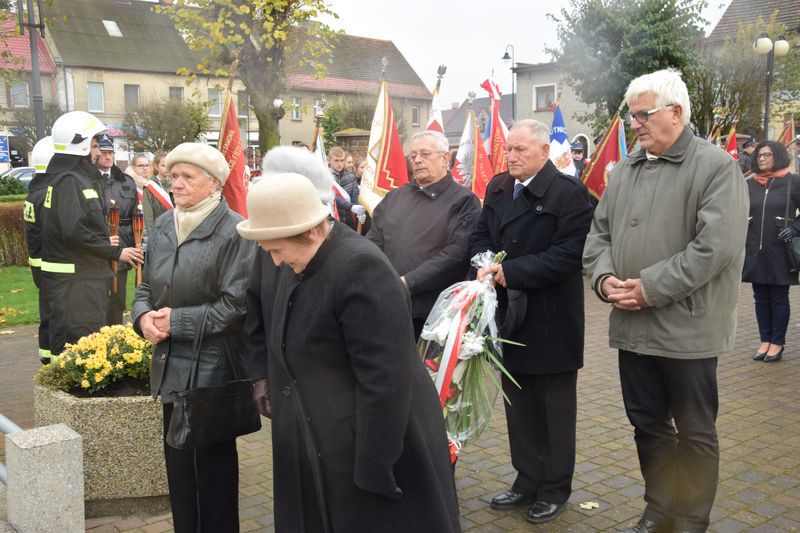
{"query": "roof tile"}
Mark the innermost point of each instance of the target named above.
(20, 46)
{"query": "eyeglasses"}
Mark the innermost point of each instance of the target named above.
(142, 166)
(764, 155)
(642, 116)
(424, 154)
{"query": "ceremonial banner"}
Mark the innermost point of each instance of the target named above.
(731, 146)
(496, 133)
(230, 144)
(609, 152)
(788, 138)
(472, 168)
(560, 153)
(386, 163)
(435, 120)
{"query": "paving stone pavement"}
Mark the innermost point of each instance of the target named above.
(758, 426)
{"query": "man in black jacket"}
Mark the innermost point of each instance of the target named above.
(120, 191)
(540, 218)
(32, 215)
(424, 226)
(76, 248)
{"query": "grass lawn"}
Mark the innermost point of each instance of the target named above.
(19, 297)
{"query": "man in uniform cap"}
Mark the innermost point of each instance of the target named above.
(578, 152)
(119, 190)
(746, 157)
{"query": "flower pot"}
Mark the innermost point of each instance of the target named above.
(123, 453)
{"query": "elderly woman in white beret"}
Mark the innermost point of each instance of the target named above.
(359, 442)
(196, 261)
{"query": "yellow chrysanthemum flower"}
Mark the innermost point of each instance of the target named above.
(85, 384)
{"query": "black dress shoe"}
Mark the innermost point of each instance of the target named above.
(510, 500)
(645, 526)
(758, 356)
(772, 358)
(541, 512)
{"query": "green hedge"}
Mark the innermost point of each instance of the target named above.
(8, 198)
(13, 249)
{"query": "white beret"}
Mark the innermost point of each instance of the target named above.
(202, 155)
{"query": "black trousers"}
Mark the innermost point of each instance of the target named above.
(116, 301)
(203, 485)
(77, 307)
(44, 317)
(541, 433)
(680, 462)
(772, 312)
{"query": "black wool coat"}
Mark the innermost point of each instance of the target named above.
(765, 259)
(543, 232)
(359, 442)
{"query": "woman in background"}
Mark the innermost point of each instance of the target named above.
(766, 262)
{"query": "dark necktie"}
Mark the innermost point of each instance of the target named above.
(517, 190)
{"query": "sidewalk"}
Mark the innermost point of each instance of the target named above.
(758, 426)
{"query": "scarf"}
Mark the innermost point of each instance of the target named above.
(187, 219)
(766, 176)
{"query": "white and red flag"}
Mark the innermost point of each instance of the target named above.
(472, 168)
(386, 163)
(230, 144)
(496, 133)
(435, 120)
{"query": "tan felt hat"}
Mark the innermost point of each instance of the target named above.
(202, 155)
(280, 206)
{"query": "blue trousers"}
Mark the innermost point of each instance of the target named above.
(772, 312)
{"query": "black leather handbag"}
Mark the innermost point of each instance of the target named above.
(793, 244)
(202, 416)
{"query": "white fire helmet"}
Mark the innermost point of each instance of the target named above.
(42, 153)
(73, 132)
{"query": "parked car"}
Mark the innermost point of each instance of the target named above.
(21, 174)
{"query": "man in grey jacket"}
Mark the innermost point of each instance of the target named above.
(666, 250)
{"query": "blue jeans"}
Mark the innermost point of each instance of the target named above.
(772, 312)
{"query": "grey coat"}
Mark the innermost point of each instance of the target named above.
(210, 267)
(678, 223)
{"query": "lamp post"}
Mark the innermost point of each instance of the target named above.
(38, 108)
(510, 60)
(779, 48)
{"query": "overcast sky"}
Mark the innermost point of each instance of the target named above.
(468, 37)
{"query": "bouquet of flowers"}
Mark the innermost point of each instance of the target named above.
(460, 347)
(103, 357)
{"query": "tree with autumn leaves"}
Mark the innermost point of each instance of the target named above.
(257, 41)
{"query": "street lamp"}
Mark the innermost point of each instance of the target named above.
(779, 48)
(510, 60)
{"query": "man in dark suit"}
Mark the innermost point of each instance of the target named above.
(540, 217)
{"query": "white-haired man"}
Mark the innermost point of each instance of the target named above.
(424, 226)
(540, 218)
(666, 250)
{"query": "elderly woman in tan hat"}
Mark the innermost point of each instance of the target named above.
(196, 266)
(359, 442)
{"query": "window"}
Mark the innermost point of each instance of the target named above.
(545, 97)
(112, 28)
(96, 99)
(296, 108)
(415, 115)
(19, 95)
(176, 93)
(242, 104)
(131, 97)
(214, 108)
(483, 120)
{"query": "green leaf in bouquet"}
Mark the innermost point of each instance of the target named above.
(505, 341)
(499, 365)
